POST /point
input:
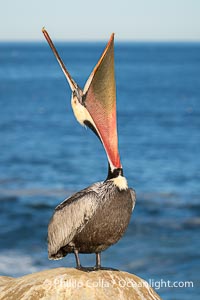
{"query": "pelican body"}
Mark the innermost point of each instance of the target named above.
(96, 217)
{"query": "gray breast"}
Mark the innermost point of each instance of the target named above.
(108, 224)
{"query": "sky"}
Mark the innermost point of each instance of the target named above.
(136, 20)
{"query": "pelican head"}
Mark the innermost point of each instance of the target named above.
(95, 105)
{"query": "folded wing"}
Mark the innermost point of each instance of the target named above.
(69, 219)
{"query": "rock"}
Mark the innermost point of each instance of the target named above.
(67, 283)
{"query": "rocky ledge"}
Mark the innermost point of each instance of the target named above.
(67, 283)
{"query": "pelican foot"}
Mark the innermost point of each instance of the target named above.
(86, 269)
(95, 268)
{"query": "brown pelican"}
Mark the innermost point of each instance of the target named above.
(95, 218)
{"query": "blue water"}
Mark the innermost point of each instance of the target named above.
(45, 155)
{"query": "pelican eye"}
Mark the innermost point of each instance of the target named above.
(77, 94)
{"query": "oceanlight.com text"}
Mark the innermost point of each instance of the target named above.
(158, 284)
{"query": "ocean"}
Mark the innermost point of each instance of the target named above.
(45, 156)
